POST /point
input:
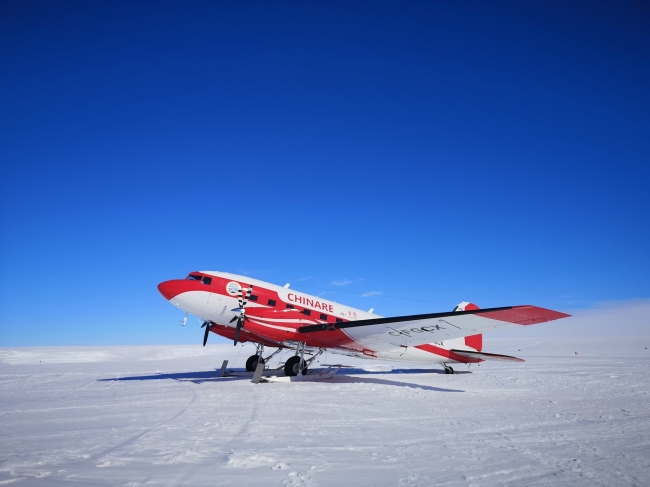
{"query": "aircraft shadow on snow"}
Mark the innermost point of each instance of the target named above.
(213, 376)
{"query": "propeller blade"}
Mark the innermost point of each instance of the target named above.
(205, 337)
(208, 328)
(241, 311)
(248, 295)
(236, 338)
(238, 329)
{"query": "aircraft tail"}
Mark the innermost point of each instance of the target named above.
(472, 341)
(476, 342)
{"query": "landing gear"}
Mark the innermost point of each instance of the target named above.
(448, 370)
(251, 363)
(253, 360)
(292, 366)
(297, 364)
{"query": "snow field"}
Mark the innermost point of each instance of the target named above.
(160, 416)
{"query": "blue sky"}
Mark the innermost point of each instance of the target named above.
(497, 153)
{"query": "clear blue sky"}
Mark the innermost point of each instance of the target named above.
(438, 151)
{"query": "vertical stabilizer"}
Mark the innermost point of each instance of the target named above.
(472, 341)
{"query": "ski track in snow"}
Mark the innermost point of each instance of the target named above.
(159, 415)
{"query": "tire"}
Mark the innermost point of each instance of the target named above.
(251, 363)
(291, 366)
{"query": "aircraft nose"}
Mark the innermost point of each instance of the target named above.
(169, 289)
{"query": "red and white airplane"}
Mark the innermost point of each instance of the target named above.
(244, 309)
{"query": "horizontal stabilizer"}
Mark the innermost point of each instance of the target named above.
(487, 356)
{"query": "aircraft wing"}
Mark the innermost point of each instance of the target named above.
(409, 331)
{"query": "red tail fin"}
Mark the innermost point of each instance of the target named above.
(475, 341)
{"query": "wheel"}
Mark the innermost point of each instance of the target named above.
(251, 363)
(446, 370)
(451, 370)
(291, 366)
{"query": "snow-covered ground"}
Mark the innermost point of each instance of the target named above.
(160, 415)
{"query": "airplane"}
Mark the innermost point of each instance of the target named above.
(244, 309)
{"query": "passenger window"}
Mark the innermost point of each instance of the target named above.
(339, 320)
(207, 281)
(194, 277)
(271, 302)
(323, 317)
(306, 312)
(289, 306)
(253, 298)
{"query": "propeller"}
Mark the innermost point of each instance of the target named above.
(240, 313)
(208, 327)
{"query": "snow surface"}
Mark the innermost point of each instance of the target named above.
(160, 415)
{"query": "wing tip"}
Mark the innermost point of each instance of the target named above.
(526, 314)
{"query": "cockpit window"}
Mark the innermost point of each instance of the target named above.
(194, 277)
(207, 281)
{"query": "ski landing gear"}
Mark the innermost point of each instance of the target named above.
(297, 364)
(448, 370)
